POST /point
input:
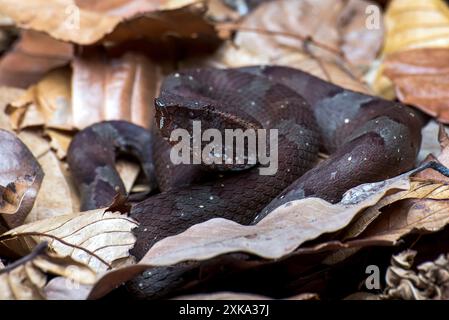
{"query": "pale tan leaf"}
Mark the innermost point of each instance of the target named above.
(7, 95)
(46, 103)
(98, 238)
(415, 24)
(55, 196)
(26, 278)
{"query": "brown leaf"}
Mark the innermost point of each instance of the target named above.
(20, 179)
(422, 213)
(421, 78)
(98, 238)
(64, 20)
(27, 277)
(31, 57)
(119, 88)
(278, 234)
(280, 32)
(414, 24)
(113, 88)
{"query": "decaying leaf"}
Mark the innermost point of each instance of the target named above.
(7, 94)
(414, 24)
(98, 238)
(26, 278)
(421, 79)
(278, 234)
(280, 32)
(430, 280)
(51, 97)
(20, 179)
(80, 23)
(32, 56)
(113, 88)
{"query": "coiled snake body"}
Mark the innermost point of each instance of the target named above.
(368, 139)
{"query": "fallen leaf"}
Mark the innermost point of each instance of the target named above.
(7, 94)
(65, 20)
(55, 196)
(275, 236)
(114, 89)
(60, 288)
(413, 24)
(26, 278)
(421, 78)
(430, 280)
(20, 179)
(31, 57)
(97, 238)
(307, 35)
(49, 101)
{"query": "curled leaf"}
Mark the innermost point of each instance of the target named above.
(26, 278)
(20, 179)
(430, 280)
(85, 24)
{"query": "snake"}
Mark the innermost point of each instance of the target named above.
(367, 139)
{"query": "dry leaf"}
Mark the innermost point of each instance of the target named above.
(50, 97)
(415, 24)
(278, 234)
(98, 238)
(421, 79)
(113, 89)
(64, 20)
(26, 278)
(20, 179)
(429, 281)
(7, 95)
(412, 24)
(424, 214)
(55, 196)
(279, 33)
(32, 56)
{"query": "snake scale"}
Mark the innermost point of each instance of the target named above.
(368, 139)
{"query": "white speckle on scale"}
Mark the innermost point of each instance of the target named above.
(201, 206)
(211, 198)
(190, 78)
(349, 158)
(177, 75)
(253, 103)
(346, 120)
